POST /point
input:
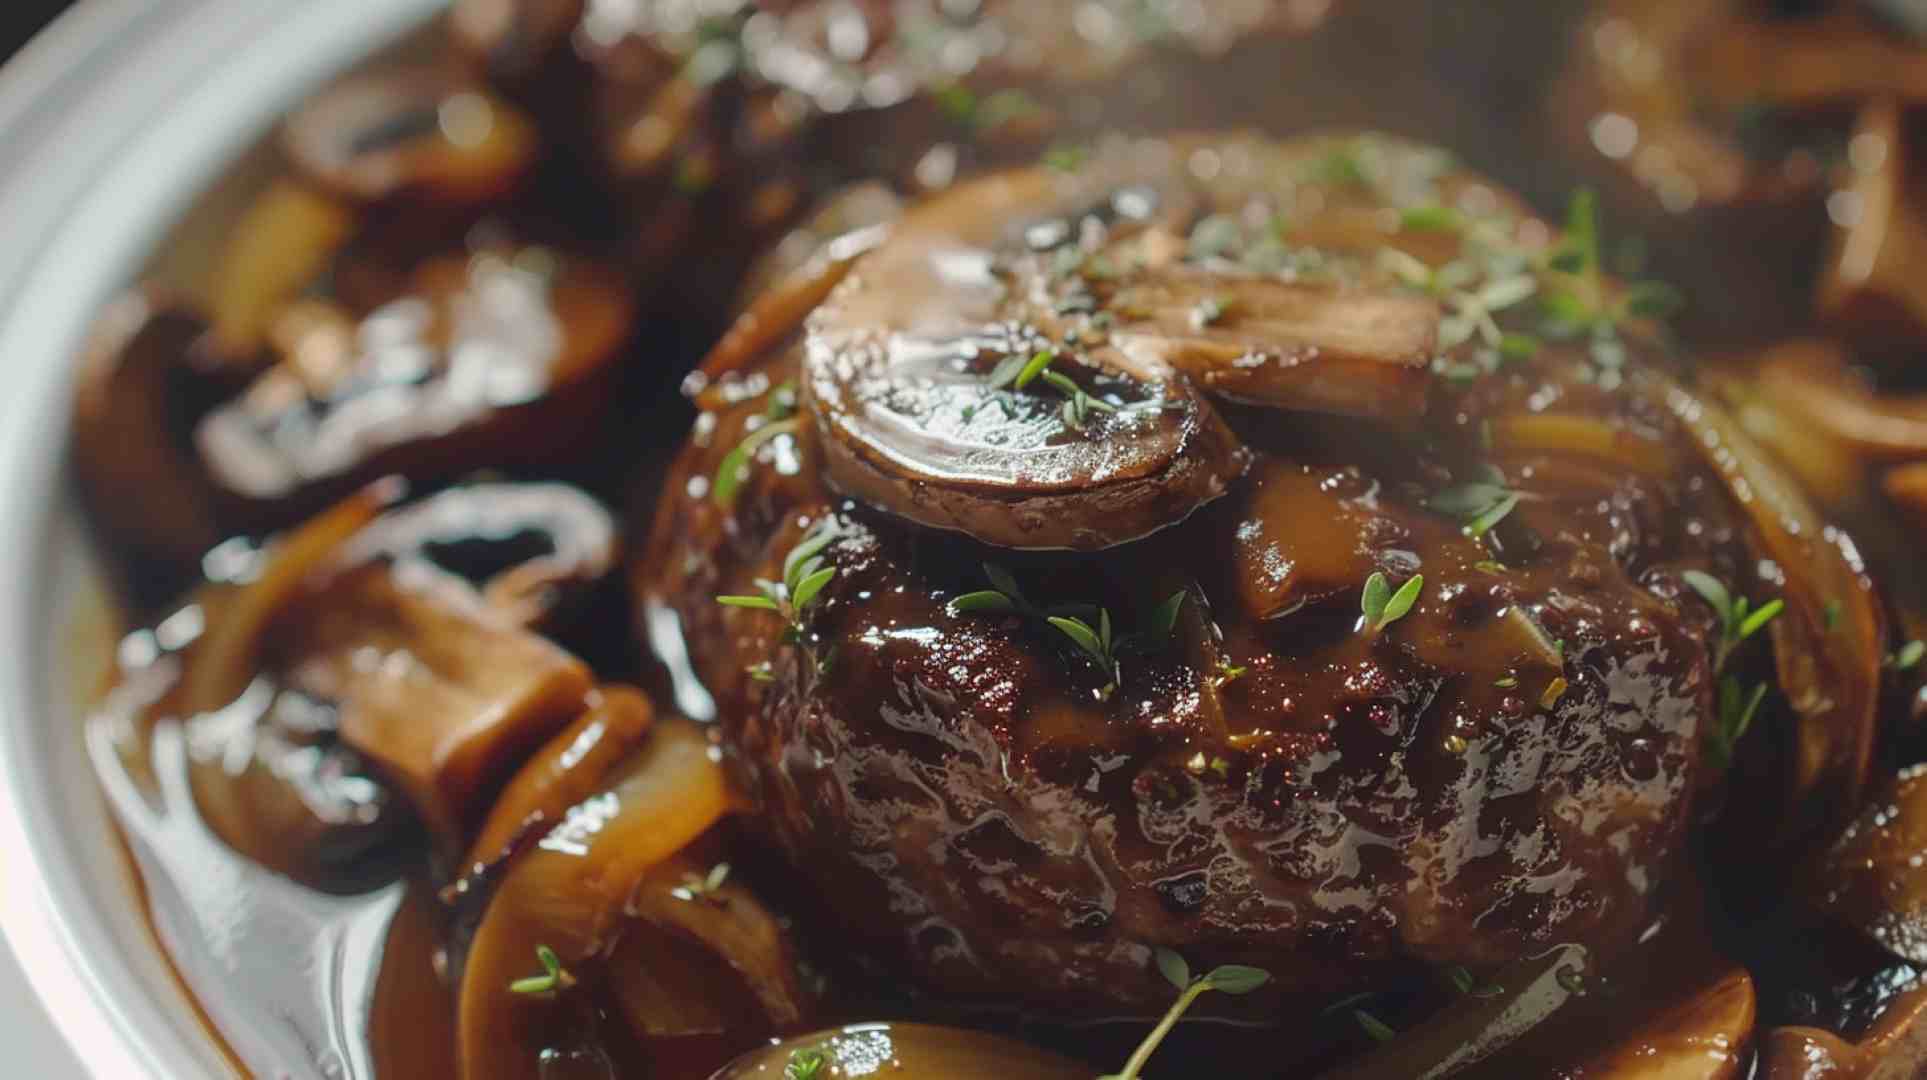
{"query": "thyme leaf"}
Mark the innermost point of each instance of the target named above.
(554, 976)
(1381, 606)
(1234, 979)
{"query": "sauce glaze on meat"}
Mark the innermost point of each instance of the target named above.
(1506, 768)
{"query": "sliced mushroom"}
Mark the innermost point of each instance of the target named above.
(491, 358)
(1875, 280)
(230, 654)
(1701, 1038)
(568, 892)
(1142, 280)
(423, 133)
(908, 1051)
(440, 691)
(137, 387)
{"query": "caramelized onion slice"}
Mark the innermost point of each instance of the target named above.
(1895, 1048)
(281, 245)
(729, 922)
(1702, 1038)
(1829, 646)
(227, 657)
(1812, 380)
(914, 1051)
(420, 132)
(1474, 1028)
(568, 892)
(564, 772)
(1840, 57)
(1875, 279)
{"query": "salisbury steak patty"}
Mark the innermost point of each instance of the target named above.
(1277, 347)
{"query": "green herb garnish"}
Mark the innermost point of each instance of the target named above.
(1234, 979)
(1465, 983)
(1430, 219)
(809, 1063)
(1379, 1030)
(554, 976)
(1736, 709)
(1210, 311)
(804, 576)
(1478, 504)
(1580, 307)
(1019, 374)
(1382, 607)
(1067, 157)
(1075, 621)
(1739, 620)
(779, 419)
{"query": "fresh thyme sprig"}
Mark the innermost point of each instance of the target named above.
(804, 576)
(1018, 375)
(1466, 983)
(1379, 1030)
(1582, 307)
(809, 1063)
(1382, 607)
(1234, 979)
(554, 976)
(779, 418)
(1736, 709)
(1075, 621)
(1907, 656)
(1739, 621)
(1478, 504)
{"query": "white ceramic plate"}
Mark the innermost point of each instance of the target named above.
(112, 122)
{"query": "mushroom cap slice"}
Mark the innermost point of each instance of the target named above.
(1150, 273)
(897, 372)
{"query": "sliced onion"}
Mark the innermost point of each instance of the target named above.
(1829, 645)
(568, 892)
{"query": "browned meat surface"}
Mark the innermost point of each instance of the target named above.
(1266, 777)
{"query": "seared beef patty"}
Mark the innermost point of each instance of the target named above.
(1216, 400)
